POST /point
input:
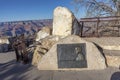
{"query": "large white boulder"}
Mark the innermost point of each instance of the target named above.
(95, 59)
(64, 22)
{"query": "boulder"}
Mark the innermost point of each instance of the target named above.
(65, 23)
(1, 48)
(36, 57)
(44, 32)
(4, 48)
(43, 48)
(4, 40)
(95, 59)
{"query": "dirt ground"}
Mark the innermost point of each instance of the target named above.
(12, 70)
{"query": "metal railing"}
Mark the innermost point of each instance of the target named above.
(100, 26)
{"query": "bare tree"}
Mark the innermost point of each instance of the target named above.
(97, 8)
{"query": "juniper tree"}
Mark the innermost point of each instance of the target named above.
(97, 8)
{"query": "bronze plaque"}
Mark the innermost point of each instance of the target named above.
(72, 55)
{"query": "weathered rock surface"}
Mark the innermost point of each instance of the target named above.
(113, 61)
(49, 41)
(36, 57)
(95, 59)
(44, 32)
(64, 22)
(43, 47)
(112, 57)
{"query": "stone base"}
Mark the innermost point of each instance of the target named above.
(95, 59)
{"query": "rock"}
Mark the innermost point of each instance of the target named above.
(112, 57)
(49, 41)
(4, 47)
(65, 23)
(113, 61)
(36, 56)
(1, 48)
(4, 40)
(43, 48)
(44, 32)
(95, 59)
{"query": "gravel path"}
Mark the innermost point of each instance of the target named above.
(11, 70)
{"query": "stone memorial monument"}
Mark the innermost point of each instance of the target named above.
(71, 52)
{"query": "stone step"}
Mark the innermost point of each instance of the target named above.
(111, 52)
(108, 43)
(112, 57)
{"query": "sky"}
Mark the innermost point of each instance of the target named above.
(16, 10)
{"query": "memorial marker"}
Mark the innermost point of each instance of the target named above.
(72, 55)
